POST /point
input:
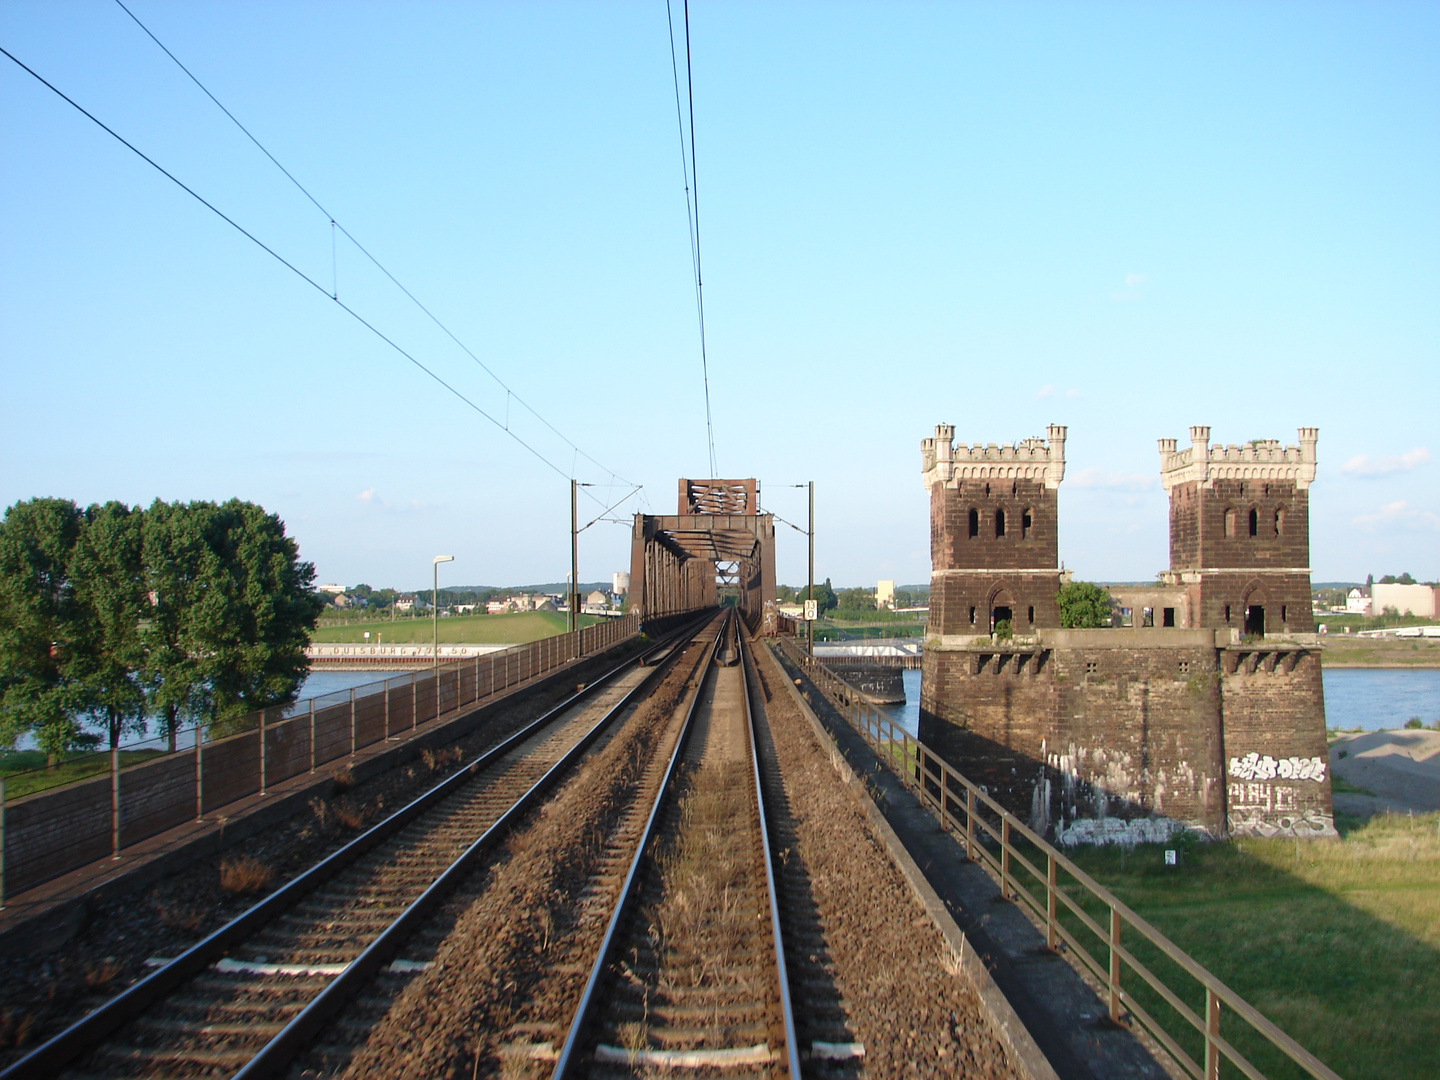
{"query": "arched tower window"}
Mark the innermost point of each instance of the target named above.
(1229, 522)
(974, 522)
(1254, 522)
(1027, 522)
(1279, 521)
(999, 522)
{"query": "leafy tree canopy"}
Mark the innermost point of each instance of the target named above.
(189, 612)
(1083, 605)
(824, 596)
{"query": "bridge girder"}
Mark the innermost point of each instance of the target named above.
(674, 557)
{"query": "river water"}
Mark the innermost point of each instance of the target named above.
(1364, 699)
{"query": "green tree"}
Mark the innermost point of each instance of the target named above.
(257, 610)
(824, 596)
(860, 600)
(107, 575)
(180, 568)
(1083, 605)
(39, 625)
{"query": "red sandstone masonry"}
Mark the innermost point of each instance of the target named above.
(1189, 724)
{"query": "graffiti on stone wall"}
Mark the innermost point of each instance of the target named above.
(1301, 825)
(1255, 767)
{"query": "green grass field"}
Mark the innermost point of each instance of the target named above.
(514, 629)
(833, 629)
(1346, 650)
(1337, 943)
(25, 772)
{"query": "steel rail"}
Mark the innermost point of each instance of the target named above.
(275, 1057)
(87, 1033)
(787, 1010)
(581, 1020)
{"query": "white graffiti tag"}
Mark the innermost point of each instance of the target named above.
(1255, 767)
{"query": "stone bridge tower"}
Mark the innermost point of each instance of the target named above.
(1240, 531)
(1214, 721)
(994, 536)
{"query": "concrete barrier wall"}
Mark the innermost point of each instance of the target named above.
(53, 832)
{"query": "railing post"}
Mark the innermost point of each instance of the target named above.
(414, 702)
(312, 734)
(199, 774)
(387, 710)
(970, 824)
(1212, 1032)
(352, 721)
(1050, 885)
(261, 731)
(1004, 858)
(2, 843)
(115, 801)
(1114, 965)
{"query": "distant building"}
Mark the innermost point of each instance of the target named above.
(620, 582)
(884, 594)
(330, 587)
(1417, 600)
(405, 602)
(1357, 603)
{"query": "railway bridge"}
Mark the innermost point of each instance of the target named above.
(697, 851)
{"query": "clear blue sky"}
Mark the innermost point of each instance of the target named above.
(1127, 218)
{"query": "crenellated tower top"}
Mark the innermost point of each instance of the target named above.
(1043, 460)
(1261, 459)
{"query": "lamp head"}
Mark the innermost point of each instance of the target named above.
(442, 558)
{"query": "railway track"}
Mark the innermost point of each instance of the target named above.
(691, 972)
(249, 998)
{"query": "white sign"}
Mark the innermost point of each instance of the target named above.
(811, 610)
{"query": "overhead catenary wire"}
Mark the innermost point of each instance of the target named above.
(692, 209)
(334, 225)
(277, 257)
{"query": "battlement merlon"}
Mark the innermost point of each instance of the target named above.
(1262, 459)
(942, 462)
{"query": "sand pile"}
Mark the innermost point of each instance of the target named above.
(1400, 770)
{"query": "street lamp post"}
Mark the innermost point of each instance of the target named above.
(810, 584)
(435, 616)
(809, 625)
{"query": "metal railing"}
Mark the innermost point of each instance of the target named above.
(1078, 914)
(144, 788)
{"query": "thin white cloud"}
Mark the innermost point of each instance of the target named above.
(1072, 393)
(1095, 477)
(1046, 391)
(1365, 465)
(368, 495)
(1398, 516)
(1134, 288)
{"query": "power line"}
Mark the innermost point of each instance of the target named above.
(334, 224)
(692, 209)
(276, 256)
